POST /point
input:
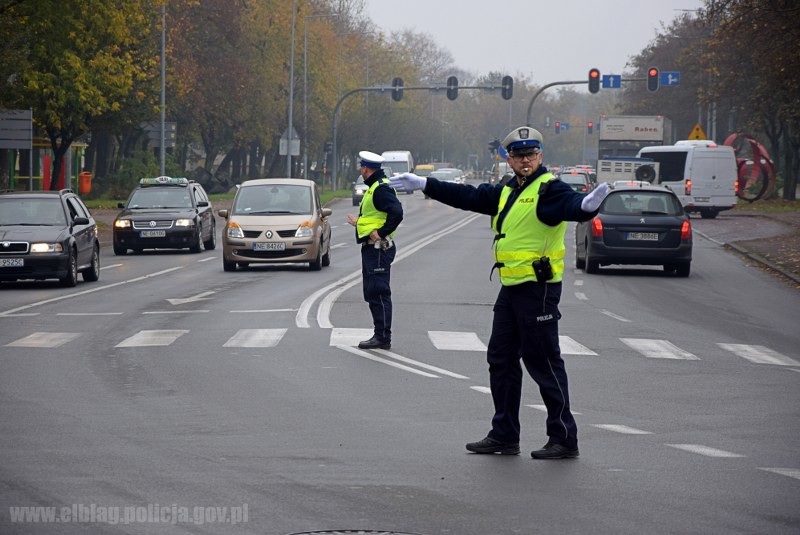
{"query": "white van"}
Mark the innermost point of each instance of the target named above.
(396, 162)
(700, 172)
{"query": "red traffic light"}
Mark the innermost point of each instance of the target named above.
(652, 79)
(590, 126)
(558, 127)
(594, 80)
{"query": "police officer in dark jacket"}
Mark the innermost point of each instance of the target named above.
(379, 214)
(529, 215)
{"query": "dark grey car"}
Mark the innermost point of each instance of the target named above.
(638, 223)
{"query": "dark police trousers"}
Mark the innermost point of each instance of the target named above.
(375, 266)
(525, 326)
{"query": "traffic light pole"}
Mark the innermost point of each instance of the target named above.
(381, 89)
(571, 82)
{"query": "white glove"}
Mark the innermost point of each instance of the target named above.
(408, 182)
(593, 200)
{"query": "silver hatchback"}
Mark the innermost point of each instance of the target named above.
(276, 220)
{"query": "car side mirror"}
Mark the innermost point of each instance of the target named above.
(80, 221)
(120, 205)
(202, 204)
(326, 212)
(223, 214)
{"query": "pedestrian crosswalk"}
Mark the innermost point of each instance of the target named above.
(439, 341)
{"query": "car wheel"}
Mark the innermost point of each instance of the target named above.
(684, 269)
(326, 258)
(92, 273)
(316, 264)
(709, 213)
(71, 278)
(197, 246)
(580, 264)
(592, 266)
(228, 266)
(211, 244)
(119, 250)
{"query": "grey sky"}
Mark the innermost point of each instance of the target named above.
(546, 41)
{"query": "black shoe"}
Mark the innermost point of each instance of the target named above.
(375, 343)
(490, 445)
(555, 451)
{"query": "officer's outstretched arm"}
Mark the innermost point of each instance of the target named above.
(407, 182)
(593, 200)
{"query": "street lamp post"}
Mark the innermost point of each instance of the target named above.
(291, 102)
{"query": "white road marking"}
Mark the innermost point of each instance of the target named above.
(370, 356)
(456, 341)
(704, 450)
(44, 340)
(578, 282)
(542, 408)
(571, 347)
(612, 315)
(201, 311)
(624, 429)
(152, 338)
(110, 266)
(580, 296)
(89, 313)
(790, 472)
(419, 364)
(255, 338)
(199, 297)
(22, 315)
(658, 349)
(338, 245)
(482, 389)
(262, 310)
(342, 336)
(91, 290)
(336, 288)
(759, 354)
(208, 259)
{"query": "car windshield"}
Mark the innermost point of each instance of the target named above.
(390, 168)
(160, 198)
(31, 211)
(273, 199)
(633, 202)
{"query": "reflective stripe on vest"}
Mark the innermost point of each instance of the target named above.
(525, 239)
(369, 217)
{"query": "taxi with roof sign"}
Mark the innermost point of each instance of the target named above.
(165, 213)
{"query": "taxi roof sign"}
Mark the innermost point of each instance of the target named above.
(163, 181)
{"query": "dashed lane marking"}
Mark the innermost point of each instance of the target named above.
(624, 429)
(704, 450)
(571, 347)
(759, 354)
(658, 349)
(255, 338)
(152, 338)
(456, 341)
(39, 339)
(789, 472)
(542, 408)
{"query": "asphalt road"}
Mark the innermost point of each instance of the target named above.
(189, 400)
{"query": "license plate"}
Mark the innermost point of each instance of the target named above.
(269, 246)
(643, 236)
(702, 199)
(153, 233)
(12, 262)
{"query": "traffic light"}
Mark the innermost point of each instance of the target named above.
(328, 146)
(397, 89)
(594, 80)
(590, 126)
(493, 145)
(652, 79)
(452, 87)
(558, 127)
(508, 87)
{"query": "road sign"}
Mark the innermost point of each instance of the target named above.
(669, 79)
(697, 133)
(612, 81)
(284, 146)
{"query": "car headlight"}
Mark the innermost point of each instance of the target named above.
(184, 222)
(305, 230)
(234, 230)
(359, 192)
(46, 248)
(122, 223)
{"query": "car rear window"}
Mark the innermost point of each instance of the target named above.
(641, 203)
(31, 211)
(577, 178)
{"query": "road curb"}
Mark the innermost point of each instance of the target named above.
(761, 260)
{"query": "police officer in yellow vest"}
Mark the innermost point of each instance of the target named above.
(379, 215)
(529, 215)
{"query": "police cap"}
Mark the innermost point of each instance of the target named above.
(523, 140)
(370, 159)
